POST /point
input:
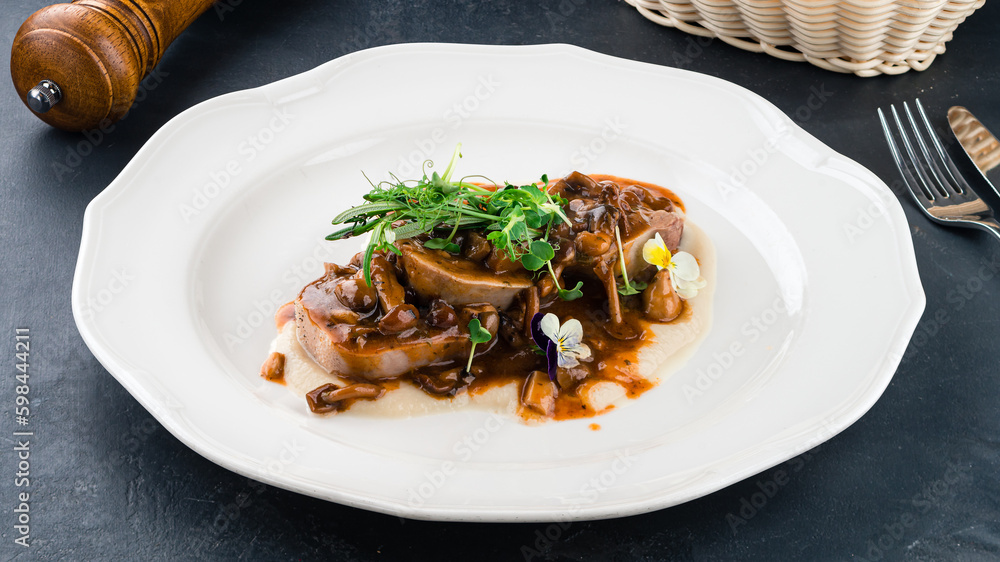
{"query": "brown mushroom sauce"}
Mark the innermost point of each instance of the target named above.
(615, 327)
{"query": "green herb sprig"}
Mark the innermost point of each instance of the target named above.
(635, 287)
(478, 335)
(518, 219)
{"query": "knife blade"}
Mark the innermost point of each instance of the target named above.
(981, 146)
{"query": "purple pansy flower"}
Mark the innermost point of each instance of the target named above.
(563, 344)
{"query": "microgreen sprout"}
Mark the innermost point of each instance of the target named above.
(477, 334)
(517, 219)
(442, 244)
(629, 288)
(565, 294)
(540, 252)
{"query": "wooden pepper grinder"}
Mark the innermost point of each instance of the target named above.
(78, 66)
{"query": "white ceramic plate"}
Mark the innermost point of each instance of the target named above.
(220, 218)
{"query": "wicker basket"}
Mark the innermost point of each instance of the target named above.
(866, 37)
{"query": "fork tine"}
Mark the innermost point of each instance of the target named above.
(922, 198)
(958, 204)
(935, 173)
(921, 174)
(953, 173)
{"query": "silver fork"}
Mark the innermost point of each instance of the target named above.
(931, 176)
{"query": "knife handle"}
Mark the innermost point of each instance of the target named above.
(78, 66)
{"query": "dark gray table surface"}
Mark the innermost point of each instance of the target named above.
(917, 477)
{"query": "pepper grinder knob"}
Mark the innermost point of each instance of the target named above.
(42, 97)
(98, 52)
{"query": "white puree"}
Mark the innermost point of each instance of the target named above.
(675, 344)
